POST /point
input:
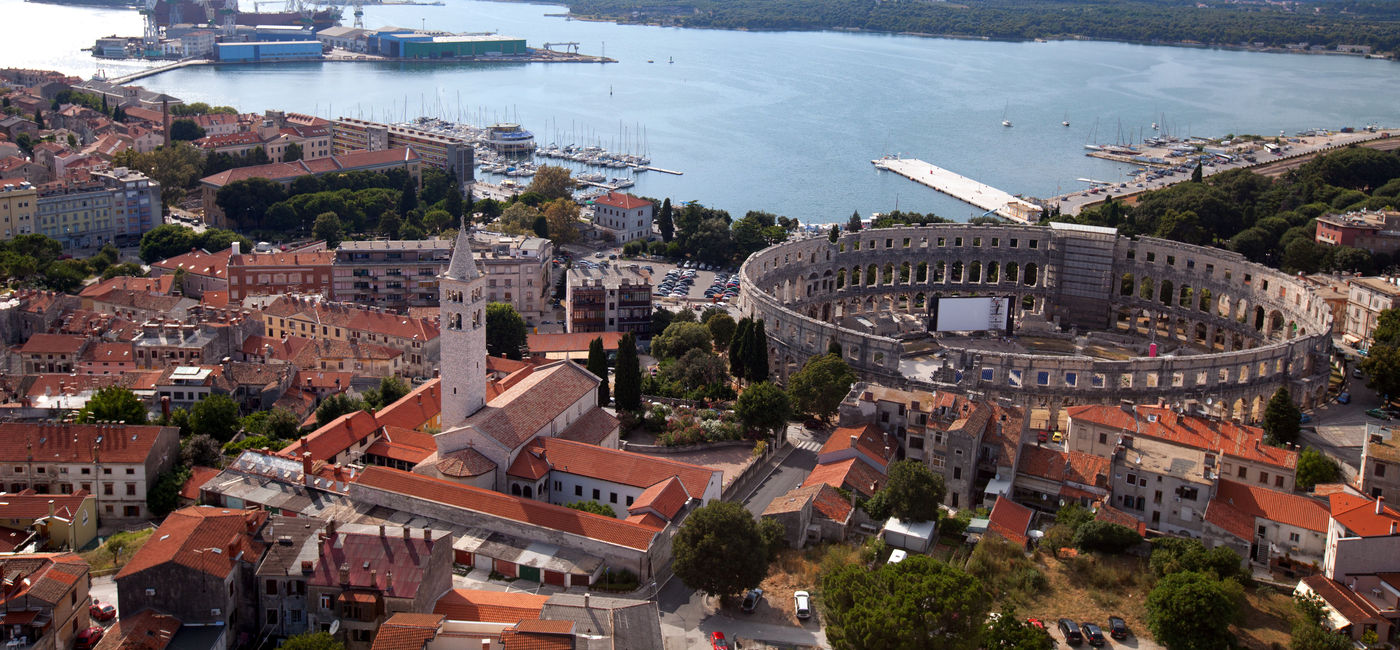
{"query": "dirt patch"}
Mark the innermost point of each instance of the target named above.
(1267, 618)
(792, 572)
(116, 550)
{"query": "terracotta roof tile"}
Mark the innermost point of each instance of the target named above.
(518, 414)
(1282, 507)
(1010, 520)
(416, 409)
(647, 519)
(402, 444)
(405, 631)
(200, 538)
(592, 429)
(868, 440)
(666, 498)
(489, 606)
(1200, 433)
(465, 463)
(850, 473)
(53, 344)
(338, 435)
(198, 262)
(289, 258)
(31, 505)
(621, 200)
(1349, 604)
(625, 467)
(1115, 516)
(1358, 514)
(109, 353)
(74, 443)
(352, 318)
(1058, 466)
(571, 342)
(372, 558)
(513, 640)
(199, 475)
(832, 505)
(584, 524)
(144, 630)
(288, 171)
(529, 464)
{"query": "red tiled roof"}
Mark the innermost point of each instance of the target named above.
(288, 171)
(1115, 516)
(515, 640)
(517, 415)
(74, 443)
(852, 473)
(337, 436)
(591, 429)
(109, 353)
(571, 342)
(1209, 435)
(53, 344)
(161, 285)
(415, 409)
(352, 318)
(1058, 466)
(29, 505)
(199, 475)
(464, 463)
(529, 464)
(402, 444)
(290, 258)
(621, 200)
(529, 511)
(627, 468)
(228, 140)
(198, 262)
(490, 606)
(831, 504)
(1351, 605)
(666, 498)
(1010, 520)
(405, 631)
(1281, 507)
(868, 440)
(647, 519)
(371, 558)
(1358, 514)
(204, 539)
(144, 630)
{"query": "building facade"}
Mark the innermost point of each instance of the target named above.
(116, 206)
(450, 153)
(616, 299)
(18, 201)
(266, 274)
(394, 274)
(622, 217)
(1366, 299)
(115, 463)
(1374, 231)
(517, 271)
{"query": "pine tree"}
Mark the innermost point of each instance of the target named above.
(627, 375)
(835, 233)
(408, 198)
(757, 353)
(665, 222)
(853, 225)
(598, 365)
(738, 365)
(454, 201)
(39, 120)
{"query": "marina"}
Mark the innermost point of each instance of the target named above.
(986, 197)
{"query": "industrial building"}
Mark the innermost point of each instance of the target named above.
(261, 51)
(418, 45)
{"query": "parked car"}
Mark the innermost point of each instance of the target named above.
(802, 602)
(1070, 631)
(89, 638)
(751, 600)
(1117, 627)
(99, 611)
(1092, 633)
(1305, 418)
(1378, 413)
(718, 642)
(1344, 398)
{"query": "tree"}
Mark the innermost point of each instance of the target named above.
(313, 641)
(627, 375)
(66, 276)
(389, 224)
(562, 217)
(506, 335)
(125, 268)
(835, 233)
(279, 423)
(665, 223)
(737, 365)
(1105, 537)
(201, 450)
(1192, 611)
(390, 390)
(39, 120)
(552, 182)
(541, 227)
(853, 224)
(328, 227)
(721, 326)
(661, 318)
(774, 537)
(185, 129)
(1315, 467)
(1015, 633)
(246, 202)
(684, 316)
(113, 404)
(1387, 330)
(1309, 632)
(1175, 555)
(1282, 419)
(408, 196)
(680, 338)
(697, 369)
(598, 365)
(216, 415)
(292, 153)
(593, 507)
(763, 406)
(335, 406)
(1197, 174)
(714, 550)
(918, 603)
(912, 493)
(820, 385)
(756, 353)
(164, 496)
(453, 204)
(1382, 368)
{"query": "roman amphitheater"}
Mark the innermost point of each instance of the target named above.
(1097, 317)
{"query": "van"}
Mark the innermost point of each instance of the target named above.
(263, 247)
(897, 556)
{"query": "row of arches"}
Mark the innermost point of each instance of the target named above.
(1270, 322)
(938, 272)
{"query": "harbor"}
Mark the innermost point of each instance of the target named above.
(986, 197)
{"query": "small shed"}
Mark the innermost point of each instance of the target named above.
(909, 535)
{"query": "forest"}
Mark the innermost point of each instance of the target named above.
(1239, 24)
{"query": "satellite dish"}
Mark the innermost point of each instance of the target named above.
(1210, 401)
(335, 626)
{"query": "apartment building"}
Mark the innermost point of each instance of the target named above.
(269, 274)
(18, 202)
(517, 271)
(417, 338)
(447, 152)
(117, 206)
(115, 463)
(1366, 299)
(622, 217)
(608, 299)
(394, 274)
(46, 600)
(1379, 477)
(1377, 231)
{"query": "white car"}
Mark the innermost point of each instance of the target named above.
(802, 601)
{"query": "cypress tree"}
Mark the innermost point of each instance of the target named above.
(598, 365)
(757, 353)
(835, 233)
(665, 222)
(738, 363)
(628, 375)
(1198, 174)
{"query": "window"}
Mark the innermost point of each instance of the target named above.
(578, 490)
(131, 489)
(1263, 477)
(612, 497)
(1242, 471)
(957, 473)
(325, 601)
(1293, 537)
(595, 494)
(1103, 440)
(131, 511)
(107, 489)
(271, 588)
(1278, 480)
(1380, 470)
(1132, 479)
(106, 471)
(271, 617)
(130, 471)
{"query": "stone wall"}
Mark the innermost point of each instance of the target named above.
(1265, 328)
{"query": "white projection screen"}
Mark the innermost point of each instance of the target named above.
(970, 314)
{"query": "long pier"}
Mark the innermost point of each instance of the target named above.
(964, 189)
(150, 72)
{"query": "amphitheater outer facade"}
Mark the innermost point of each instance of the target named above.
(1264, 328)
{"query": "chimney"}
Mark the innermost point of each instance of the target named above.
(381, 530)
(306, 462)
(165, 407)
(427, 535)
(407, 533)
(1392, 526)
(330, 528)
(237, 247)
(345, 575)
(585, 600)
(1380, 505)
(374, 578)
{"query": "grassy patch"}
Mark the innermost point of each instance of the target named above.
(1265, 618)
(117, 550)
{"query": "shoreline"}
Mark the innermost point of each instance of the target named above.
(555, 57)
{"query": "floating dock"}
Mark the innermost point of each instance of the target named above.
(963, 188)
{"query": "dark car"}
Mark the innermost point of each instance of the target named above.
(102, 611)
(1071, 632)
(1117, 628)
(751, 600)
(88, 638)
(1092, 633)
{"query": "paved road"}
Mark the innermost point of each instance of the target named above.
(104, 589)
(687, 620)
(790, 474)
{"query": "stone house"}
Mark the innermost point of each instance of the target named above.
(1263, 524)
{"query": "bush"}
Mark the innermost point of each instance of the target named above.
(1105, 537)
(617, 580)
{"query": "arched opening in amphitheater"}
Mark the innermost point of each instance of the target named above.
(1229, 332)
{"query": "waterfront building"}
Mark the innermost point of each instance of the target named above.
(1366, 299)
(509, 138)
(608, 299)
(17, 205)
(622, 217)
(394, 274)
(439, 45)
(118, 205)
(285, 173)
(446, 152)
(1377, 231)
(351, 39)
(517, 270)
(260, 51)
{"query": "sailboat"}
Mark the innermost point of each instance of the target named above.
(1005, 122)
(1065, 122)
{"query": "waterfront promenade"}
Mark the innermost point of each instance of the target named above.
(960, 187)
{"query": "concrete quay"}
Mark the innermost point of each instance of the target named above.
(960, 187)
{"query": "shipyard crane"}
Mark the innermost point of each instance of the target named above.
(359, 14)
(571, 46)
(151, 37)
